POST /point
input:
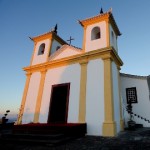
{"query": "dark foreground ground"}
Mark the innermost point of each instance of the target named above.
(127, 140)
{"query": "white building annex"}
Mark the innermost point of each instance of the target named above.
(66, 84)
(138, 87)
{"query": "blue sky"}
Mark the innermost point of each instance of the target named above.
(20, 19)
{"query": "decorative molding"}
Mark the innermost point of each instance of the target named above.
(48, 35)
(101, 17)
(104, 53)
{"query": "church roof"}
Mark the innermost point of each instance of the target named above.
(72, 51)
(102, 16)
(48, 35)
(133, 76)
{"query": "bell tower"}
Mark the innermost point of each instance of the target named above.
(100, 38)
(100, 31)
(45, 45)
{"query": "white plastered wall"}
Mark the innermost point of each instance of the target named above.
(116, 96)
(141, 108)
(37, 59)
(95, 97)
(67, 74)
(98, 43)
(54, 46)
(113, 38)
(31, 98)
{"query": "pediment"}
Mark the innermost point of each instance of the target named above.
(65, 51)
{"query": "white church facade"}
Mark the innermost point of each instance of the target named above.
(66, 84)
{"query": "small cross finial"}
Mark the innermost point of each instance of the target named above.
(70, 39)
(101, 11)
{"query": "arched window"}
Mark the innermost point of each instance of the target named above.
(95, 33)
(41, 49)
(113, 37)
(57, 48)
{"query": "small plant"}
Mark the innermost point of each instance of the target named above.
(4, 119)
(129, 110)
(131, 123)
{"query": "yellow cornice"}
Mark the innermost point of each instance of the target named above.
(113, 56)
(108, 17)
(49, 35)
(104, 53)
(94, 19)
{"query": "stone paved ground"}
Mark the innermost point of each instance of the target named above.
(128, 140)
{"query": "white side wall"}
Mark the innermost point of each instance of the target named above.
(95, 97)
(98, 43)
(141, 108)
(37, 59)
(31, 98)
(113, 38)
(54, 46)
(69, 74)
(116, 96)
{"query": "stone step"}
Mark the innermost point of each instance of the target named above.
(138, 125)
(49, 140)
(34, 136)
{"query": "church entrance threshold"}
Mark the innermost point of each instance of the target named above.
(58, 111)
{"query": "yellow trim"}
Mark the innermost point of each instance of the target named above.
(109, 125)
(120, 102)
(84, 39)
(48, 35)
(108, 52)
(99, 18)
(19, 119)
(93, 20)
(39, 98)
(82, 102)
(42, 37)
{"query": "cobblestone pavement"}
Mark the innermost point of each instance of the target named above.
(127, 140)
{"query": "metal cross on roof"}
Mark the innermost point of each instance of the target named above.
(70, 40)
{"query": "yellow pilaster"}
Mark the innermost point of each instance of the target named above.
(39, 98)
(119, 90)
(28, 76)
(107, 33)
(84, 39)
(33, 53)
(82, 103)
(109, 125)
